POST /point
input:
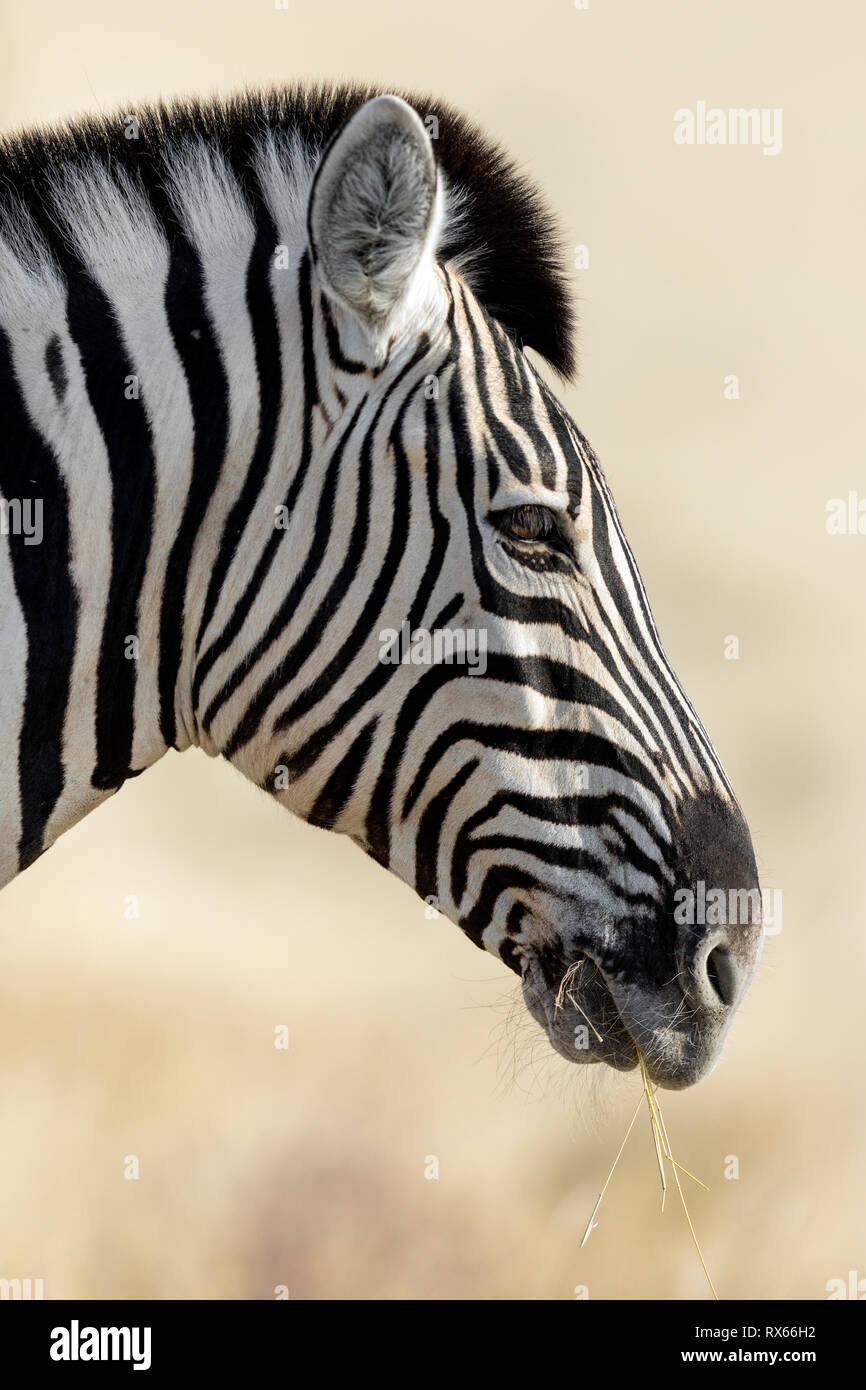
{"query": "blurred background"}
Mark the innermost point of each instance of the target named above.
(154, 1036)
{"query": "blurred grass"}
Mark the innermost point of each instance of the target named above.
(306, 1167)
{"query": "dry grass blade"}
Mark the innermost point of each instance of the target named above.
(661, 1153)
(662, 1146)
(659, 1127)
(669, 1156)
(565, 992)
(589, 1224)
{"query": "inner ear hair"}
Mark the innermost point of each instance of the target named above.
(373, 208)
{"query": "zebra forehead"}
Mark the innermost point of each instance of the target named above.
(498, 230)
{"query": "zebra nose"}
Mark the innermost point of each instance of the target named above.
(717, 908)
(716, 971)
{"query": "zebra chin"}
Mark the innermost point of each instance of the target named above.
(596, 1017)
(580, 1018)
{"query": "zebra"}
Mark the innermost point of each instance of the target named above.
(269, 414)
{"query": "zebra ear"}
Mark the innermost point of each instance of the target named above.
(374, 211)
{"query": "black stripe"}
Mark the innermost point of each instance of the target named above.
(502, 878)
(286, 610)
(518, 391)
(695, 734)
(49, 603)
(341, 783)
(337, 590)
(560, 745)
(123, 421)
(332, 340)
(310, 752)
(194, 337)
(379, 589)
(429, 835)
(565, 745)
(554, 679)
(560, 424)
(681, 737)
(55, 367)
(576, 860)
(507, 446)
(373, 683)
(263, 320)
(582, 811)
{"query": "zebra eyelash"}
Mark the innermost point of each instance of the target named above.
(536, 552)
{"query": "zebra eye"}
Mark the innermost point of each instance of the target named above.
(529, 523)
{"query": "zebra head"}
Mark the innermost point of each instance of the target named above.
(475, 691)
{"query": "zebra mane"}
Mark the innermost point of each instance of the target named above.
(498, 230)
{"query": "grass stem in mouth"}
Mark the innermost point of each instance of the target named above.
(660, 1136)
(564, 990)
(590, 1227)
(662, 1146)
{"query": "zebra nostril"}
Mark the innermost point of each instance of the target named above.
(722, 975)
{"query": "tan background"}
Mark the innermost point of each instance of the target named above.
(154, 1037)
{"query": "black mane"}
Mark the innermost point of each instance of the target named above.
(505, 233)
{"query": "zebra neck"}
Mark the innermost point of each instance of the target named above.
(149, 406)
